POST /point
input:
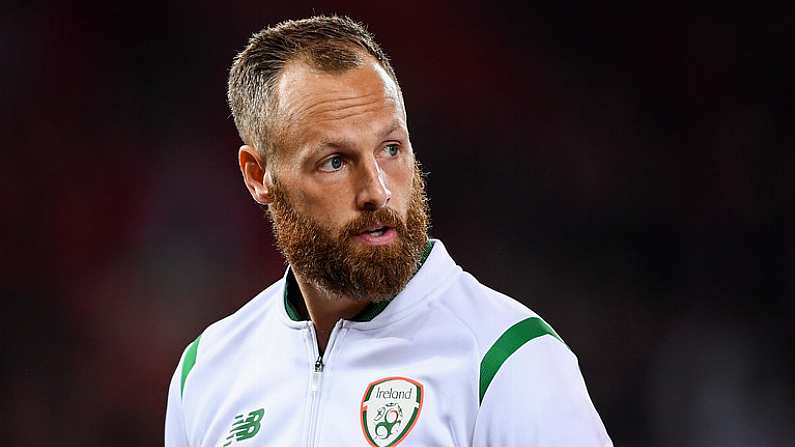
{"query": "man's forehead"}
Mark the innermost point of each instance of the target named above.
(304, 90)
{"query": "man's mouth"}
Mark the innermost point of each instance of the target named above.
(379, 231)
(377, 235)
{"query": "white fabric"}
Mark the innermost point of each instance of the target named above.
(436, 332)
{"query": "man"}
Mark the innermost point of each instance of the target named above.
(374, 336)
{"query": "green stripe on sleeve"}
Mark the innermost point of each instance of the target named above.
(188, 362)
(511, 340)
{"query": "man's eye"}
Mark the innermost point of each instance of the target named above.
(332, 164)
(392, 149)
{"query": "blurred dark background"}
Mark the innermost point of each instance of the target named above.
(626, 173)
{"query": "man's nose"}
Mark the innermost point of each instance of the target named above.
(373, 193)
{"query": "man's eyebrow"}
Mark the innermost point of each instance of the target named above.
(341, 142)
(396, 125)
(333, 142)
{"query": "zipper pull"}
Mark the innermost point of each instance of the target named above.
(317, 372)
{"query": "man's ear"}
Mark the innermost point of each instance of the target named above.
(255, 174)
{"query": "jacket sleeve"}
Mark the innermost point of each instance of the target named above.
(538, 398)
(175, 434)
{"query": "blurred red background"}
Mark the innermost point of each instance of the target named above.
(625, 173)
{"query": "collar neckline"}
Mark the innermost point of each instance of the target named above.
(293, 296)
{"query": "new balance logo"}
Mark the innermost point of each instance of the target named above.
(243, 429)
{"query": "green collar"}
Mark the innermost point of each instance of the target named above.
(292, 295)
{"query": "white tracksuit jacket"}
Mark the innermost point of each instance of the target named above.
(448, 362)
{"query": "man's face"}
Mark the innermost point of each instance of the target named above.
(348, 205)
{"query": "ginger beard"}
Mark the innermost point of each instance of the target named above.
(332, 261)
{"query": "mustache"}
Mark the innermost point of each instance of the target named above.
(387, 217)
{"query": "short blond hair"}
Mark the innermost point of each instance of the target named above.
(329, 43)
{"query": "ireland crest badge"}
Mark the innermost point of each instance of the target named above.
(390, 409)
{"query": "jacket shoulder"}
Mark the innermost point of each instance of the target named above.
(223, 335)
(500, 324)
(487, 312)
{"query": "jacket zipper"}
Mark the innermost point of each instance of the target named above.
(316, 380)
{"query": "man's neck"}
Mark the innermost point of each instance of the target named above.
(325, 309)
